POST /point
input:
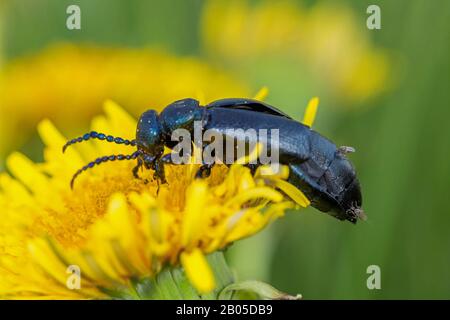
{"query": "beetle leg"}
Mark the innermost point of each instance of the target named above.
(159, 166)
(148, 161)
(145, 160)
(136, 168)
(204, 171)
(167, 159)
(159, 174)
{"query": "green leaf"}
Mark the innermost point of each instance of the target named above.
(263, 290)
(171, 283)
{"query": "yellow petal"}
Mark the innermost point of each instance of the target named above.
(266, 171)
(295, 194)
(310, 112)
(54, 141)
(44, 256)
(194, 212)
(120, 121)
(252, 156)
(198, 270)
(200, 96)
(262, 94)
(13, 190)
(50, 135)
(255, 193)
(27, 172)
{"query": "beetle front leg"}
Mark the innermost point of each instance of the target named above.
(137, 167)
(159, 174)
(167, 159)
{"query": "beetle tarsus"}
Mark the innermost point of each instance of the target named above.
(136, 169)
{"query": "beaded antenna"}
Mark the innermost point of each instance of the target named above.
(100, 160)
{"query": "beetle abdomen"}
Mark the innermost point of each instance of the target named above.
(316, 165)
(293, 137)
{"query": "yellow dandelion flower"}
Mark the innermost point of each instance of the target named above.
(117, 236)
(69, 83)
(326, 38)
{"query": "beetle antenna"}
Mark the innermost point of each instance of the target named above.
(102, 160)
(99, 136)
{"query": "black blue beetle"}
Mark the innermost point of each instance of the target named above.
(317, 167)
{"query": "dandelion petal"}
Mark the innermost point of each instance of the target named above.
(198, 270)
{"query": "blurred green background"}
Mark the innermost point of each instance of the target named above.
(398, 126)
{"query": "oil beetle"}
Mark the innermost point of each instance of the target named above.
(316, 166)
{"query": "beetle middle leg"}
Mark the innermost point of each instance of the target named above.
(158, 166)
(204, 171)
(160, 175)
(163, 160)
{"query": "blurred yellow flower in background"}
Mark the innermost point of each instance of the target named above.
(326, 38)
(1, 31)
(119, 230)
(69, 84)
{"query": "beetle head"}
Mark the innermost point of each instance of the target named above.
(149, 139)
